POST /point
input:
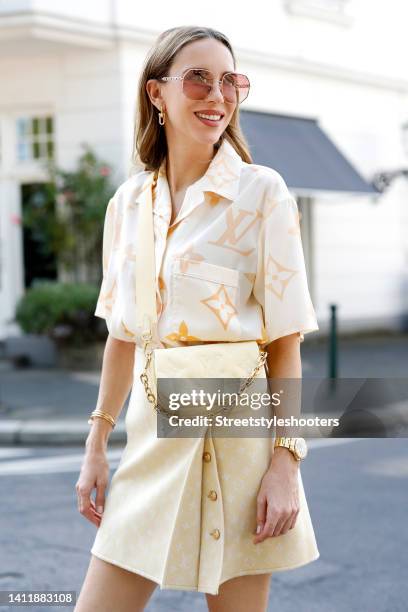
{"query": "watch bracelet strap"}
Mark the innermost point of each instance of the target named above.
(281, 441)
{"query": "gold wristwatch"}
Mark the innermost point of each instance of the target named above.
(297, 446)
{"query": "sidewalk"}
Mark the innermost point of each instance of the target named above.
(51, 406)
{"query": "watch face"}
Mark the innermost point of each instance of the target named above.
(301, 448)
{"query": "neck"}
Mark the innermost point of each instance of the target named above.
(186, 165)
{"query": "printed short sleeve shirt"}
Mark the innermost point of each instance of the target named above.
(229, 268)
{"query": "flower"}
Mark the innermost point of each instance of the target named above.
(15, 219)
(104, 171)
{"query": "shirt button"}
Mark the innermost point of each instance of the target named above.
(207, 457)
(212, 495)
(215, 534)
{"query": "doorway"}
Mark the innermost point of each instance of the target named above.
(39, 261)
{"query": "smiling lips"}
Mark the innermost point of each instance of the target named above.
(210, 113)
(209, 117)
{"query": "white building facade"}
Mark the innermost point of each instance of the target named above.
(69, 74)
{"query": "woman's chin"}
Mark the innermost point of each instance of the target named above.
(206, 141)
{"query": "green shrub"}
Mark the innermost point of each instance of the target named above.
(63, 311)
(66, 216)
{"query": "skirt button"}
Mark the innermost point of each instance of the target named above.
(207, 457)
(212, 495)
(215, 534)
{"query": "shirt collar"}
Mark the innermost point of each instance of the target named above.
(222, 177)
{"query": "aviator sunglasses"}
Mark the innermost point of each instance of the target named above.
(197, 84)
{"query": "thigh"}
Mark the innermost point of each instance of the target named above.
(242, 594)
(108, 587)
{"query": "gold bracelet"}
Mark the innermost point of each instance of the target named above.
(103, 415)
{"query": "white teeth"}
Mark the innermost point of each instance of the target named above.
(213, 117)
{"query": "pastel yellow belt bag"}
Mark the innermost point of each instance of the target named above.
(230, 360)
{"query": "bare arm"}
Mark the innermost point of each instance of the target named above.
(116, 382)
(284, 357)
(284, 362)
(278, 497)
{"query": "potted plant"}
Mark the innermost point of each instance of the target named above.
(64, 313)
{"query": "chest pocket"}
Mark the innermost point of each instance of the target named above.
(205, 300)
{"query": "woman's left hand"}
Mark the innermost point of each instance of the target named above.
(278, 497)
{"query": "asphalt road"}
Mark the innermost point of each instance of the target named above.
(357, 493)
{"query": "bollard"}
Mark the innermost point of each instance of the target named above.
(333, 342)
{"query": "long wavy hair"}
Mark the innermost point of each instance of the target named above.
(149, 141)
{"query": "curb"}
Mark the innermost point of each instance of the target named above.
(37, 432)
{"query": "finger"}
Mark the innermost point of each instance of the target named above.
(100, 498)
(85, 503)
(89, 512)
(261, 507)
(294, 519)
(95, 513)
(283, 526)
(283, 518)
(272, 517)
(264, 533)
(81, 502)
(92, 517)
(93, 506)
(269, 523)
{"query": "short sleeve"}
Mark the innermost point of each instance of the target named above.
(280, 285)
(115, 298)
(104, 303)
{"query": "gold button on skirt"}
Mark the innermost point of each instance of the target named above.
(182, 511)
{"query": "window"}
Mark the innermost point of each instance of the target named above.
(328, 10)
(35, 138)
(326, 5)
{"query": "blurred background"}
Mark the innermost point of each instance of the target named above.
(328, 109)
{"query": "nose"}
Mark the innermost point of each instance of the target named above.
(216, 92)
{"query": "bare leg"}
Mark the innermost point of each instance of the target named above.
(242, 594)
(108, 587)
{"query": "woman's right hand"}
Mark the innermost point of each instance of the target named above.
(94, 474)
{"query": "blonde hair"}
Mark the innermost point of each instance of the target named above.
(149, 142)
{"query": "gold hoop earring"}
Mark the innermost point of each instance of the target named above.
(162, 117)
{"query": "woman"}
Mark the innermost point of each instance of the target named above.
(216, 516)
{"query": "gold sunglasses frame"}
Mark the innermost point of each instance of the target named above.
(181, 78)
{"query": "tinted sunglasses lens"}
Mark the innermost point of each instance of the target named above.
(197, 84)
(235, 87)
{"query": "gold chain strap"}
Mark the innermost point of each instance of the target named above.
(147, 340)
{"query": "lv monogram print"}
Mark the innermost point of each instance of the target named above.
(236, 224)
(231, 268)
(277, 277)
(221, 305)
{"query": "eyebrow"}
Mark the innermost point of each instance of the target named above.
(197, 67)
